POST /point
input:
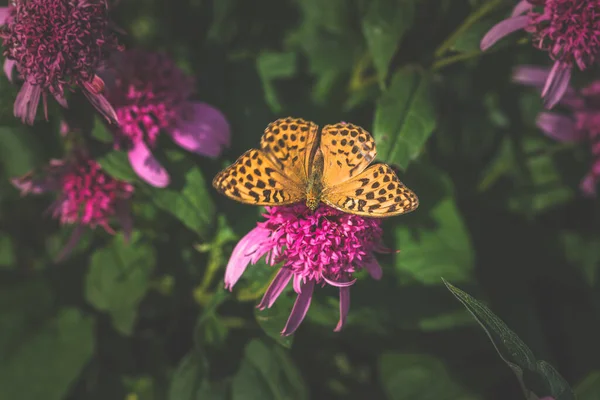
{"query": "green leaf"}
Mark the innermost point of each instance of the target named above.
(418, 376)
(100, 132)
(267, 373)
(469, 40)
(272, 320)
(18, 150)
(116, 164)
(272, 66)
(583, 253)
(7, 252)
(192, 206)
(190, 380)
(537, 378)
(383, 26)
(437, 227)
(48, 359)
(404, 118)
(589, 388)
(118, 279)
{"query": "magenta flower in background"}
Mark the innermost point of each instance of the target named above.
(569, 30)
(86, 196)
(315, 248)
(581, 122)
(55, 45)
(152, 95)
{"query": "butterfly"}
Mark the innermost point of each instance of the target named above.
(297, 162)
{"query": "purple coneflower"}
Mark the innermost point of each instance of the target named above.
(86, 196)
(152, 95)
(315, 248)
(580, 124)
(569, 30)
(55, 45)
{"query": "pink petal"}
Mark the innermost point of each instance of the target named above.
(147, 167)
(559, 127)
(522, 7)
(9, 66)
(344, 308)
(502, 29)
(71, 243)
(205, 132)
(61, 100)
(556, 84)
(373, 268)
(340, 284)
(531, 75)
(27, 102)
(93, 92)
(588, 185)
(4, 14)
(27, 184)
(275, 288)
(243, 254)
(299, 309)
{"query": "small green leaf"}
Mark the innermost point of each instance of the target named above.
(537, 378)
(383, 26)
(18, 150)
(48, 359)
(272, 66)
(469, 40)
(192, 206)
(589, 388)
(116, 164)
(100, 132)
(404, 118)
(272, 320)
(7, 252)
(266, 373)
(190, 379)
(118, 279)
(418, 376)
(583, 252)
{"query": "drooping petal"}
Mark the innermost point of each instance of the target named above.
(373, 268)
(340, 284)
(299, 309)
(61, 99)
(147, 167)
(275, 288)
(559, 127)
(243, 254)
(93, 92)
(4, 14)
(344, 308)
(556, 84)
(9, 66)
(531, 75)
(27, 102)
(522, 7)
(205, 131)
(503, 29)
(71, 243)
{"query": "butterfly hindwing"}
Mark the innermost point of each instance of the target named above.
(255, 179)
(347, 150)
(376, 192)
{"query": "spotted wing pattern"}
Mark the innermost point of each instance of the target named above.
(255, 179)
(347, 150)
(376, 192)
(288, 143)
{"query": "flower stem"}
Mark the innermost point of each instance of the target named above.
(475, 16)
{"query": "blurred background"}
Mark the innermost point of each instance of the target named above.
(501, 217)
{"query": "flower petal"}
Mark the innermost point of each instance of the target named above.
(9, 66)
(27, 102)
(275, 288)
(344, 308)
(522, 7)
(299, 309)
(531, 75)
(71, 243)
(206, 132)
(556, 84)
(147, 167)
(559, 127)
(340, 284)
(242, 255)
(93, 92)
(27, 184)
(502, 29)
(4, 14)
(373, 267)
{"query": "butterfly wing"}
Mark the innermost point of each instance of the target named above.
(288, 142)
(255, 179)
(376, 192)
(347, 150)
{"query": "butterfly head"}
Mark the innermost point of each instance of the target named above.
(312, 201)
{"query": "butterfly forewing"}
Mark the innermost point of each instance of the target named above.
(255, 179)
(376, 192)
(288, 143)
(347, 149)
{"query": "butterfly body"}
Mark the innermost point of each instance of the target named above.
(299, 163)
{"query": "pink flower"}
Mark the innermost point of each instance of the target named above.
(581, 123)
(86, 196)
(152, 95)
(569, 30)
(55, 44)
(316, 248)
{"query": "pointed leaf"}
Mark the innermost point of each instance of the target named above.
(272, 320)
(116, 164)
